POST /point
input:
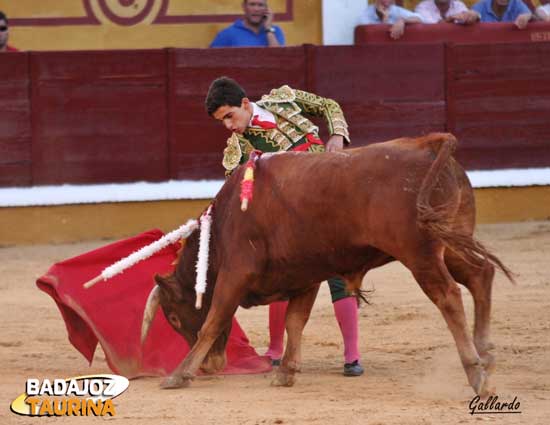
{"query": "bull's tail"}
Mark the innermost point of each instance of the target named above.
(438, 221)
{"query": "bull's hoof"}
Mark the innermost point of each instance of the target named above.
(283, 380)
(485, 388)
(174, 382)
(488, 362)
(213, 364)
(479, 380)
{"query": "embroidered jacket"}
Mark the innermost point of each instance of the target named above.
(289, 107)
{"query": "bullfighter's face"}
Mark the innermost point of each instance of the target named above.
(235, 118)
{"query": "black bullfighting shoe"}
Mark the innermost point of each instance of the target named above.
(353, 369)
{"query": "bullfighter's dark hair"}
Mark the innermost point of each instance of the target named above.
(3, 17)
(223, 91)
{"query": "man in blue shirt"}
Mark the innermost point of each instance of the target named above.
(256, 29)
(503, 11)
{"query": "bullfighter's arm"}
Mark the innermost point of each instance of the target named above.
(330, 110)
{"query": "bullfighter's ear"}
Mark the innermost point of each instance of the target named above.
(169, 284)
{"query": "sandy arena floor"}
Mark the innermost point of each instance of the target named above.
(413, 373)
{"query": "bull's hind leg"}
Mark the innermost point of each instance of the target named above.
(438, 284)
(297, 315)
(479, 281)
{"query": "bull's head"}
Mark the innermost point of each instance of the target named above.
(176, 295)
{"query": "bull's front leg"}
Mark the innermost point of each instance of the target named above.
(297, 315)
(224, 304)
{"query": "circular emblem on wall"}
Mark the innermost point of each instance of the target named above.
(126, 12)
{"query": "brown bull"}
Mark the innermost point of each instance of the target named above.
(335, 214)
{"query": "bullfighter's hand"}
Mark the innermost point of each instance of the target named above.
(335, 143)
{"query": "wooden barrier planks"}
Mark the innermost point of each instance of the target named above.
(99, 116)
(120, 116)
(386, 91)
(15, 123)
(499, 104)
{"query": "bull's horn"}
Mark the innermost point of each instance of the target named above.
(153, 302)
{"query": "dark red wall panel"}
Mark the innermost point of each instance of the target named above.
(120, 116)
(196, 140)
(99, 116)
(386, 91)
(499, 102)
(15, 124)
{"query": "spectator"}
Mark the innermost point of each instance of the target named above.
(385, 12)
(503, 11)
(278, 122)
(543, 11)
(435, 11)
(255, 29)
(5, 34)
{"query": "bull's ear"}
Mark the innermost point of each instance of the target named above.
(170, 285)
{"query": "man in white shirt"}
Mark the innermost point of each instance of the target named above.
(435, 11)
(543, 11)
(385, 12)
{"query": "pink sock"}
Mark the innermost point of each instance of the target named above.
(345, 311)
(277, 313)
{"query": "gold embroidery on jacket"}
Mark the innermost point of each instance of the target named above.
(289, 130)
(281, 140)
(281, 95)
(288, 106)
(232, 153)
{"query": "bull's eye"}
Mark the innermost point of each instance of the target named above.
(174, 320)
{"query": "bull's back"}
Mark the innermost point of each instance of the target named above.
(321, 203)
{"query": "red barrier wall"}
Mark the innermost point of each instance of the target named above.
(91, 117)
(99, 116)
(504, 32)
(15, 122)
(385, 93)
(499, 104)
